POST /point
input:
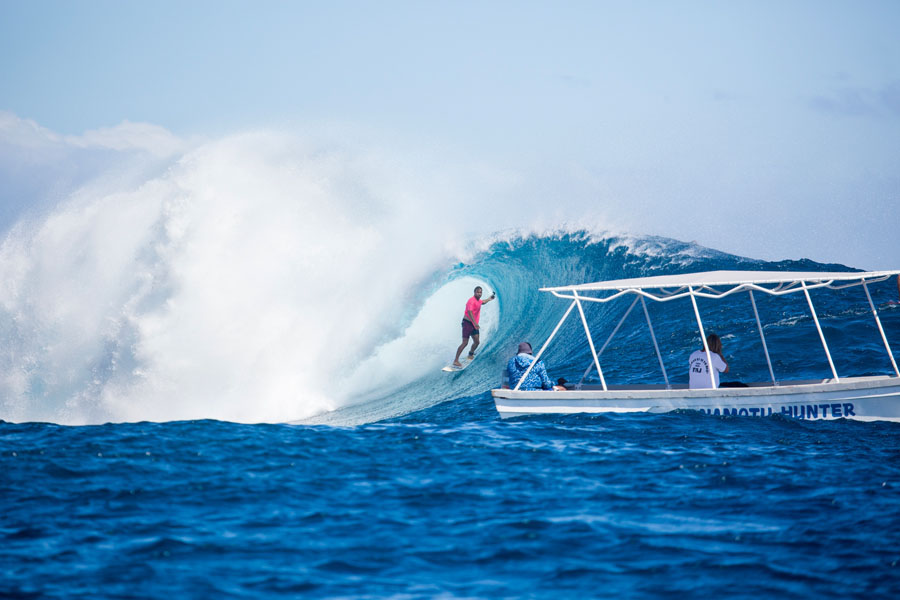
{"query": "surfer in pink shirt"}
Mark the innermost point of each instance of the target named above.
(470, 327)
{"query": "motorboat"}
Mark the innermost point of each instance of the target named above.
(865, 398)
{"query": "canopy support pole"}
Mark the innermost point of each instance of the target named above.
(544, 347)
(880, 328)
(608, 340)
(587, 332)
(712, 369)
(821, 335)
(655, 345)
(763, 338)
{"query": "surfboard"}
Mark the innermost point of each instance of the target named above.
(466, 361)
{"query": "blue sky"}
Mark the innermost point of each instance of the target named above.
(768, 129)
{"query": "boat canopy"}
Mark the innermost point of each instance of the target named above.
(705, 284)
(715, 285)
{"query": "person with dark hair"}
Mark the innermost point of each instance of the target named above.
(470, 327)
(699, 367)
(537, 379)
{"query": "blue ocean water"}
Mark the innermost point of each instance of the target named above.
(451, 502)
(423, 492)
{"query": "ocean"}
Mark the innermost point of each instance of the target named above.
(450, 502)
(394, 480)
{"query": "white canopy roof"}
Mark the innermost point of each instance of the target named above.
(723, 278)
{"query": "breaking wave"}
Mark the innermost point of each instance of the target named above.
(257, 280)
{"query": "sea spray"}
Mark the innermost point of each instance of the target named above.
(244, 283)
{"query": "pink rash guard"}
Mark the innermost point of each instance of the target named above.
(473, 306)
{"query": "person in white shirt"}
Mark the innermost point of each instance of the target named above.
(698, 367)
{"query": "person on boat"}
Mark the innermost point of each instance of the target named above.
(699, 367)
(537, 379)
(470, 327)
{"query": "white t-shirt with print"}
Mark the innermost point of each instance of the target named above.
(699, 369)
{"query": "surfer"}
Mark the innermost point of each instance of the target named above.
(537, 379)
(699, 368)
(470, 327)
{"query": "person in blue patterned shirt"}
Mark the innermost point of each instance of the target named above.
(537, 379)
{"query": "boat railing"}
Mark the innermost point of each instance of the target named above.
(674, 292)
(643, 387)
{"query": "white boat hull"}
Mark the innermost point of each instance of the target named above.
(860, 398)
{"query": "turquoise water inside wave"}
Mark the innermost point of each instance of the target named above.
(421, 491)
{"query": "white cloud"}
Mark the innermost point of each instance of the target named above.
(128, 136)
(25, 133)
(17, 132)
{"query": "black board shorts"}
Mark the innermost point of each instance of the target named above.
(468, 329)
